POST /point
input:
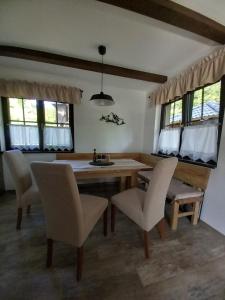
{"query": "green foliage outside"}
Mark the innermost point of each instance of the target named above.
(22, 111)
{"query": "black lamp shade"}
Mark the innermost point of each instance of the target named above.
(102, 99)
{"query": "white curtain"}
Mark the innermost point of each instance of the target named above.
(200, 142)
(169, 141)
(24, 137)
(58, 138)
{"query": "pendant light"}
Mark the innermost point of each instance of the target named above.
(102, 99)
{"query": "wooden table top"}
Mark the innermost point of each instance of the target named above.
(83, 166)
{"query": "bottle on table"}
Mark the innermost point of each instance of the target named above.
(94, 156)
(107, 157)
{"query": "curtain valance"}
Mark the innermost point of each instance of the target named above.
(208, 70)
(36, 90)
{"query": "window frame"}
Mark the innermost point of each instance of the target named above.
(40, 125)
(187, 105)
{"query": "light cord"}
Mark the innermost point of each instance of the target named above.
(102, 76)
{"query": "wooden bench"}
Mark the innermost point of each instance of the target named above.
(187, 188)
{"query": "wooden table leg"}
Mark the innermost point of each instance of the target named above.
(123, 181)
(134, 181)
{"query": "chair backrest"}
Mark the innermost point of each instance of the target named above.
(19, 171)
(154, 204)
(62, 205)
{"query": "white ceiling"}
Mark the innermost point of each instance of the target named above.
(77, 27)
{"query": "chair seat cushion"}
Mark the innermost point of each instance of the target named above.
(180, 190)
(31, 195)
(177, 189)
(131, 203)
(93, 208)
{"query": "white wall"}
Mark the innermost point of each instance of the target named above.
(106, 137)
(151, 127)
(213, 212)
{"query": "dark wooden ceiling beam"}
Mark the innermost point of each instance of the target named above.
(175, 14)
(77, 63)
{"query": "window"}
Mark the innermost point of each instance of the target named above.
(37, 125)
(191, 126)
(173, 113)
(56, 114)
(57, 132)
(206, 103)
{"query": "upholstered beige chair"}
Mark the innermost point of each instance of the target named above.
(69, 216)
(146, 209)
(26, 190)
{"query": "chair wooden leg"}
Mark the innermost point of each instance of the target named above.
(175, 213)
(161, 226)
(105, 222)
(19, 218)
(28, 209)
(146, 244)
(80, 252)
(194, 219)
(49, 253)
(113, 217)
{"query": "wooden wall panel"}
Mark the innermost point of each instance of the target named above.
(197, 176)
(194, 175)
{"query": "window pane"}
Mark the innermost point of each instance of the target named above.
(173, 113)
(21, 123)
(31, 124)
(197, 105)
(63, 125)
(63, 113)
(30, 110)
(177, 112)
(211, 100)
(51, 124)
(50, 112)
(16, 109)
(169, 114)
(16, 123)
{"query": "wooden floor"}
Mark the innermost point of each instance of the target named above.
(189, 264)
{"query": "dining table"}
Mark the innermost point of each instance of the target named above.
(125, 169)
